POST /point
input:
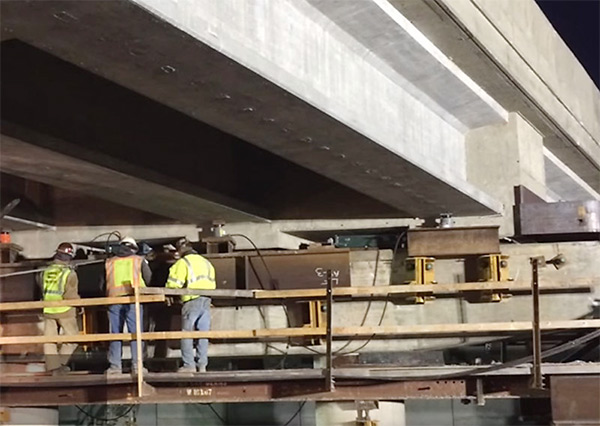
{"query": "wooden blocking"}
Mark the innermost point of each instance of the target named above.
(453, 242)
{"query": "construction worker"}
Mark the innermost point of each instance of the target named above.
(193, 271)
(59, 282)
(124, 272)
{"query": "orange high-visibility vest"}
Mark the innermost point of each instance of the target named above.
(123, 274)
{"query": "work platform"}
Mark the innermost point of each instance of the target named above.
(357, 383)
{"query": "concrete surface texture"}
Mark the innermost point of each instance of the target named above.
(345, 117)
(511, 50)
(308, 55)
(42, 243)
(344, 413)
(501, 157)
(563, 183)
(364, 93)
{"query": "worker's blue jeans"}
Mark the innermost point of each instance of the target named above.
(118, 315)
(195, 315)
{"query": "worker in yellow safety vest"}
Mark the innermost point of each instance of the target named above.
(193, 271)
(59, 282)
(123, 273)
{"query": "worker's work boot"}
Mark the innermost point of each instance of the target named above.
(61, 371)
(134, 370)
(113, 370)
(185, 369)
(202, 369)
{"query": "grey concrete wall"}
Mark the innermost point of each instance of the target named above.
(255, 414)
(454, 412)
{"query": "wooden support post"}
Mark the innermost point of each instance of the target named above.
(138, 342)
(420, 331)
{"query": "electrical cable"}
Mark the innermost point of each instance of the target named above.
(364, 319)
(383, 311)
(275, 287)
(32, 271)
(271, 280)
(295, 414)
(105, 420)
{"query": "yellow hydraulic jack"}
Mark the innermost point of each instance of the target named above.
(420, 270)
(492, 267)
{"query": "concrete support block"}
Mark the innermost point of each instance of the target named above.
(42, 243)
(502, 156)
(28, 416)
(344, 414)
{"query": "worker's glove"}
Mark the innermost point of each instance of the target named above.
(170, 301)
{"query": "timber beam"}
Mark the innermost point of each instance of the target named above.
(283, 334)
(92, 301)
(457, 289)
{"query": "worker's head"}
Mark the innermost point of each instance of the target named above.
(129, 243)
(65, 251)
(183, 246)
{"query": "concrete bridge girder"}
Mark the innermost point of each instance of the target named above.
(388, 160)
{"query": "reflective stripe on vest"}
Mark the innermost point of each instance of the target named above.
(123, 274)
(55, 280)
(204, 280)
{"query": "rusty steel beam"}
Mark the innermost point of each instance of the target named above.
(575, 400)
(213, 392)
(453, 242)
(184, 390)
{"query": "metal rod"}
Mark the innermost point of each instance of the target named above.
(537, 337)
(33, 271)
(30, 223)
(329, 370)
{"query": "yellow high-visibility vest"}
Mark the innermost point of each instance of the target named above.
(194, 272)
(55, 280)
(123, 274)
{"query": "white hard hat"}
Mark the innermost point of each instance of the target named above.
(129, 242)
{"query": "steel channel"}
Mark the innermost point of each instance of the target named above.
(537, 382)
(329, 369)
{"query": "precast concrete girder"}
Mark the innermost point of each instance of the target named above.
(310, 98)
(155, 193)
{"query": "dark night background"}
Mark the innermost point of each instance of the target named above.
(578, 23)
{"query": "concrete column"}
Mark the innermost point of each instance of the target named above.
(502, 156)
(345, 414)
(28, 416)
